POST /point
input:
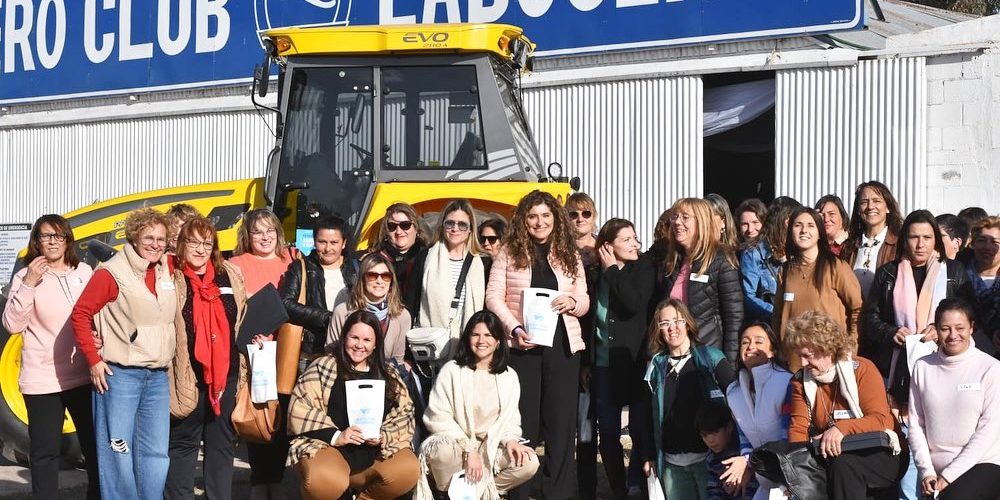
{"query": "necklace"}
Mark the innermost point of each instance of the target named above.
(675, 363)
(868, 248)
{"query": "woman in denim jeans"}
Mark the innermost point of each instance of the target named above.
(124, 325)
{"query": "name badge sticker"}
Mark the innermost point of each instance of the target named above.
(973, 387)
(700, 278)
(715, 393)
(225, 290)
(78, 281)
(841, 414)
(167, 284)
(789, 297)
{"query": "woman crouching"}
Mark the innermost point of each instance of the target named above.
(473, 417)
(331, 454)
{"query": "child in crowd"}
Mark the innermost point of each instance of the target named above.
(715, 424)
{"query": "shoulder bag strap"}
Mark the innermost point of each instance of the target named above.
(458, 287)
(302, 283)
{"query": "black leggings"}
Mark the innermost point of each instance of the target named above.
(45, 422)
(981, 482)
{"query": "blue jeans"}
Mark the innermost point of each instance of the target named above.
(909, 483)
(132, 430)
(690, 482)
(609, 428)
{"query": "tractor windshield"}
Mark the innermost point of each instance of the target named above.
(326, 158)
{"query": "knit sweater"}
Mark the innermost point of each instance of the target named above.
(954, 408)
(50, 360)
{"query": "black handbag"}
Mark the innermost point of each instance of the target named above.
(791, 464)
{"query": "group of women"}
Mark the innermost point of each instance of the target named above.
(722, 309)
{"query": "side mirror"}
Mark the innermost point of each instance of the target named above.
(262, 73)
(520, 52)
(357, 113)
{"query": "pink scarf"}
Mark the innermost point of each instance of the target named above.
(211, 332)
(915, 310)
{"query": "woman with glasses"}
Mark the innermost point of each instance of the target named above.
(52, 378)
(401, 236)
(540, 253)
(491, 235)
(983, 268)
(683, 376)
(582, 213)
(211, 300)
(813, 279)
(439, 270)
(262, 256)
(874, 232)
(376, 291)
(700, 271)
(130, 303)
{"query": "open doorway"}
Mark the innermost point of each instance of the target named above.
(739, 136)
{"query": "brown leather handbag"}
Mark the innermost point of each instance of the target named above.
(255, 422)
(290, 345)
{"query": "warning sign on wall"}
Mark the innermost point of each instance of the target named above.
(13, 238)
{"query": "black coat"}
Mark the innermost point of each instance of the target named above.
(314, 315)
(878, 322)
(629, 291)
(717, 305)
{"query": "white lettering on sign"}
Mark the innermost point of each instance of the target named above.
(585, 5)
(16, 36)
(49, 56)
(535, 8)
(96, 54)
(386, 15)
(481, 13)
(127, 50)
(205, 42)
(451, 7)
(173, 46)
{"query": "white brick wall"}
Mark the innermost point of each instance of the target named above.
(963, 131)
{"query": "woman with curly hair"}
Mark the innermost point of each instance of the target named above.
(873, 232)
(332, 455)
(700, 271)
(541, 253)
(835, 395)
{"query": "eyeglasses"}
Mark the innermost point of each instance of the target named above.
(405, 226)
(372, 276)
(680, 217)
(667, 323)
(204, 245)
(52, 237)
(460, 224)
(152, 240)
(492, 240)
(586, 214)
(256, 233)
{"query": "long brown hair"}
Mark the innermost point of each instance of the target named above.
(654, 341)
(204, 228)
(61, 225)
(519, 245)
(894, 217)
(826, 262)
(250, 219)
(705, 245)
(357, 299)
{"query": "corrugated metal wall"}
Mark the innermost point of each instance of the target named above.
(57, 169)
(636, 144)
(839, 127)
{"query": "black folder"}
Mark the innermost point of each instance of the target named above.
(264, 315)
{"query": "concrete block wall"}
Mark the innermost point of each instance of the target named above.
(963, 131)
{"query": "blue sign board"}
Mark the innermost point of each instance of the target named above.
(54, 49)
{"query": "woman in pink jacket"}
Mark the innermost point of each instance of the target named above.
(54, 375)
(541, 253)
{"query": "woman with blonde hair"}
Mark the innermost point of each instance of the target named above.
(582, 213)
(377, 292)
(700, 271)
(541, 253)
(454, 260)
(838, 394)
(722, 219)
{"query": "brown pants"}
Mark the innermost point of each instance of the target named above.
(327, 476)
(448, 460)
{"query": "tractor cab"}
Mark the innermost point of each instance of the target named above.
(372, 115)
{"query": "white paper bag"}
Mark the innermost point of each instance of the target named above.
(655, 488)
(540, 321)
(263, 372)
(585, 430)
(915, 349)
(365, 404)
(460, 489)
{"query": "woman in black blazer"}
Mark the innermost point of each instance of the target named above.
(620, 318)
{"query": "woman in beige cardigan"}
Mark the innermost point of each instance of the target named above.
(473, 417)
(377, 292)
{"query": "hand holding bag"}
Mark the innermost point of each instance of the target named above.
(290, 345)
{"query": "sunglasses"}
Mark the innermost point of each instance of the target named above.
(372, 276)
(460, 224)
(405, 225)
(586, 214)
(492, 240)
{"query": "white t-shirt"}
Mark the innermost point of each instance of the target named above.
(867, 260)
(336, 289)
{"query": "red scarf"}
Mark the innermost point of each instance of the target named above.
(211, 332)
